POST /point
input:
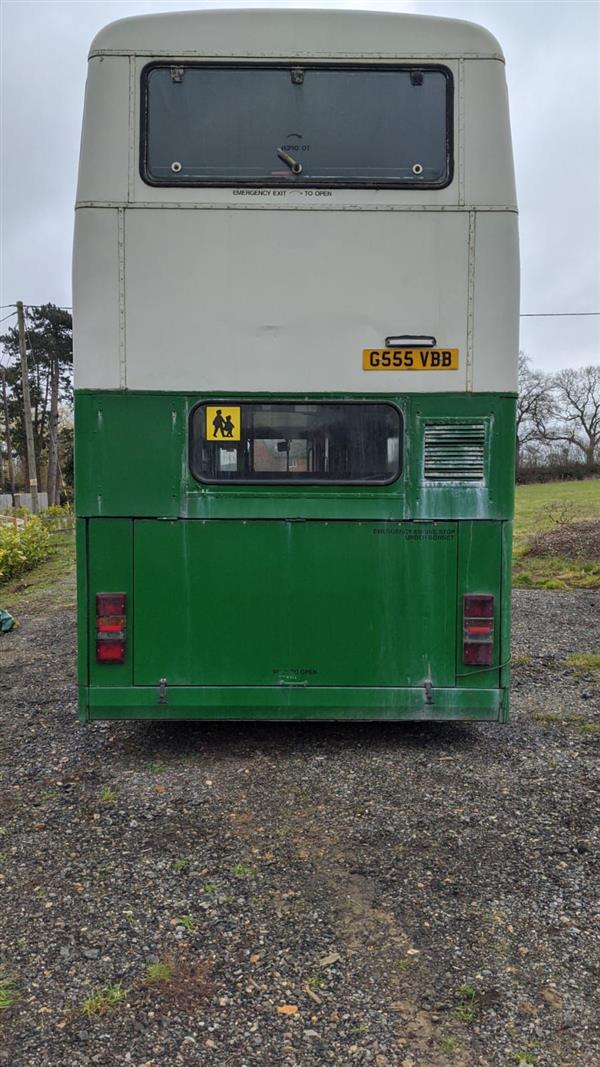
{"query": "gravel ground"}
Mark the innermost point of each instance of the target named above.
(419, 895)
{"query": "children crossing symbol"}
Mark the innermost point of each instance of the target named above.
(222, 424)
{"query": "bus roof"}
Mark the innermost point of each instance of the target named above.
(277, 32)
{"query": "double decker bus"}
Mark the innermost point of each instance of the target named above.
(296, 311)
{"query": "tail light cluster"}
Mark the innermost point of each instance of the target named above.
(111, 624)
(478, 629)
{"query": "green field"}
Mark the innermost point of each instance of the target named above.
(540, 508)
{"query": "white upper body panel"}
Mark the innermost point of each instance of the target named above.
(227, 289)
(255, 33)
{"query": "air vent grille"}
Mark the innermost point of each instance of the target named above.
(454, 451)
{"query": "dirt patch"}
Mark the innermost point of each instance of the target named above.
(577, 540)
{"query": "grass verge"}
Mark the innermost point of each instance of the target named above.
(46, 582)
(540, 509)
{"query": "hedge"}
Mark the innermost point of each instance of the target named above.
(556, 471)
(22, 548)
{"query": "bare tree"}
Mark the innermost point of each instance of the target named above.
(534, 405)
(577, 410)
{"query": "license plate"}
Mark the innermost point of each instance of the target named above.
(410, 359)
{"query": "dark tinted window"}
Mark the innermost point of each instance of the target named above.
(223, 125)
(294, 443)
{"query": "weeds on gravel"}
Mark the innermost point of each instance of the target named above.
(108, 795)
(404, 963)
(449, 1045)
(9, 990)
(180, 980)
(588, 663)
(315, 983)
(241, 871)
(526, 1055)
(103, 999)
(158, 972)
(468, 1008)
(555, 718)
(185, 920)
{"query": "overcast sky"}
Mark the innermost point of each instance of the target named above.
(552, 51)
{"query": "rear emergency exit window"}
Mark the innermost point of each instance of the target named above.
(288, 443)
(297, 125)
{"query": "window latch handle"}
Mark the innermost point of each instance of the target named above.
(293, 164)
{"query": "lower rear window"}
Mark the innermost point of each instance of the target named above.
(287, 443)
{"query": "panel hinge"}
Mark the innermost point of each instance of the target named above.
(162, 691)
(428, 692)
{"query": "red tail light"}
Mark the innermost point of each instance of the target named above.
(111, 604)
(111, 622)
(478, 629)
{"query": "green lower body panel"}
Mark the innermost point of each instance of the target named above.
(291, 703)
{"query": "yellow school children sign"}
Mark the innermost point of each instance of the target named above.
(223, 424)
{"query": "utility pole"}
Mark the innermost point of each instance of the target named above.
(33, 486)
(11, 465)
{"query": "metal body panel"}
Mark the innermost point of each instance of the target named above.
(370, 600)
(145, 434)
(110, 569)
(279, 602)
(97, 328)
(488, 173)
(278, 31)
(104, 150)
(295, 312)
(506, 618)
(283, 288)
(288, 704)
(496, 302)
(480, 569)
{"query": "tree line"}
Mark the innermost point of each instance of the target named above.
(49, 346)
(558, 422)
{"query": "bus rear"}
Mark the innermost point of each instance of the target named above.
(296, 312)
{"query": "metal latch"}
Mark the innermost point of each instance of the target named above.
(162, 691)
(428, 692)
(408, 340)
(176, 74)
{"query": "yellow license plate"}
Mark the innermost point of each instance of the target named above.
(410, 358)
